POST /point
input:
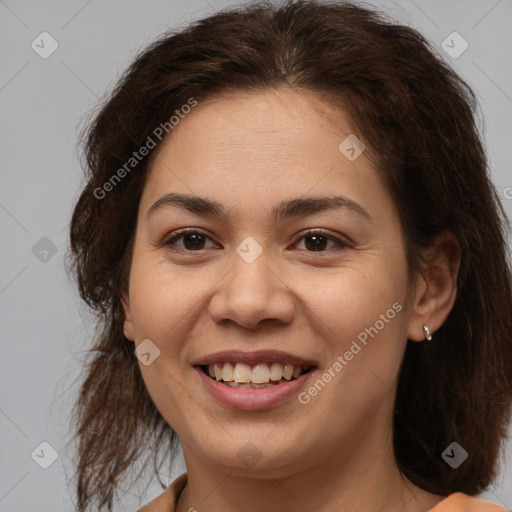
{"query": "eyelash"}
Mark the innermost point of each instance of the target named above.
(187, 231)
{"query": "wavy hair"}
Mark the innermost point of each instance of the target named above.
(418, 119)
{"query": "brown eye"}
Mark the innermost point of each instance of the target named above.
(317, 241)
(314, 241)
(192, 240)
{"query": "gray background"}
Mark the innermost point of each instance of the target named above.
(44, 328)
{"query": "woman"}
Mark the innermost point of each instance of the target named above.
(286, 233)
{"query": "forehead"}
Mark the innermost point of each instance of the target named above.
(281, 122)
(247, 147)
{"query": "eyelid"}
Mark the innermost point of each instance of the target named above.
(342, 243)
(181, 232)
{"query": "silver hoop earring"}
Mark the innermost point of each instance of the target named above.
(428, 335)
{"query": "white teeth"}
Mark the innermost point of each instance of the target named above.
(227, 372)
(249, 385)
(240, 374)
(260, 374)
(276, 371)
(288, 371)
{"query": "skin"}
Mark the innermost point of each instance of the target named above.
(249, 151)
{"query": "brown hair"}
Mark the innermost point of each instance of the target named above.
(417, 118)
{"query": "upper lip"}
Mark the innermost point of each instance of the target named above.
(250, 358)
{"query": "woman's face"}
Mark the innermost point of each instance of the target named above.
(250, 281)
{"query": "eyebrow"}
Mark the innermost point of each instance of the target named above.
(293, 207)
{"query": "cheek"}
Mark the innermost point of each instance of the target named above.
(167, 392)
(355, 299)
(157, 298)
(158, 307)
(374, 323)
(363, 324)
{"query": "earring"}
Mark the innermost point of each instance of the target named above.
(428, 335)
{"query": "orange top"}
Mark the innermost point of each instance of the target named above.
(457, 502)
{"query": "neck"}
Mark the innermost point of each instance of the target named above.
(364, 478)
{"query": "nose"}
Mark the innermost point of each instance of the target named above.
(252, 293)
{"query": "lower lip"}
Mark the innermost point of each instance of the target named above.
(253, 399)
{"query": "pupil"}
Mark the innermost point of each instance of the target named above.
(314, 242)
(319, 242)
(195, 240)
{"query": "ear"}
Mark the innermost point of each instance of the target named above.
(128, 325)
(436, 287)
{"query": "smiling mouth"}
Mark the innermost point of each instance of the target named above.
(262, 375)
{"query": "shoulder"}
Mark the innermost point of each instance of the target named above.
(457, 502)
(166, 502)
(460, 502)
